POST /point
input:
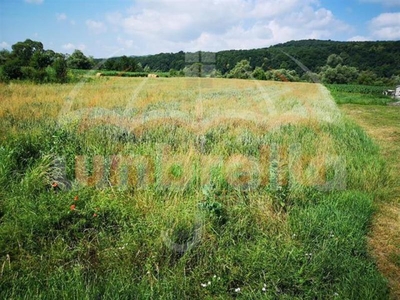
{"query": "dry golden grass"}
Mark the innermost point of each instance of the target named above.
(383, 124)
(385, 243)
(136, 104)
(271, 103)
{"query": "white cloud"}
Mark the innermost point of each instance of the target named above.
(386, 26)
(4, 45)
(383, 2)
(173, 25)
(96, 27)
(358, 38)
(34, 1)
(71, 47)
(61, 17)
(126, 43)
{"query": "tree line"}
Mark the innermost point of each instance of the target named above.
(28, 60)
(369, 63)
(380, 57)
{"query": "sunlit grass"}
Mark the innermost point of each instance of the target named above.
(383, 124)
(262, 189)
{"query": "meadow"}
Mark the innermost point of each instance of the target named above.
(359, 94)
(176, 188)
(382, 123)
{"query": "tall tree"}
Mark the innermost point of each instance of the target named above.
(78, 60)
(23, 51)
(334, 60)
(61, 69)
(242, 70)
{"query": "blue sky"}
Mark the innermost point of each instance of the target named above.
(137, 27)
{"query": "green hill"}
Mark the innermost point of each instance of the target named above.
(381, 57)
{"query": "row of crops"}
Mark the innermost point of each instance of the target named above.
(358, 89)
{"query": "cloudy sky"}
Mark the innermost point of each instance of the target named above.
(103, 28)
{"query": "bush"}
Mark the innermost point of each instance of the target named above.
(259, 74)
(339, 74)
(29, 61)
(367, 78)
(28, 72)
(242, 70)
(282, 75)
(12, 70)
(61, 70)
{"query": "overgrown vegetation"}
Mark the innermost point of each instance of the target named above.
(235, 188)
(359, 94)
(29, 61)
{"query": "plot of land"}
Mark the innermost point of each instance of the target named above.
(383, 124)
(185, 188)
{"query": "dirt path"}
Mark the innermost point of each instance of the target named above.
(382, 123)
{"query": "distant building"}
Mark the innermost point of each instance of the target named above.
(397, 93)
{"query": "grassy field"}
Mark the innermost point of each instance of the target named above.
(359, 94)
(383, 124)
(185, 188)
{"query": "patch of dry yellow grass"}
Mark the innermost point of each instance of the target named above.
(270, 103)
(204, 103)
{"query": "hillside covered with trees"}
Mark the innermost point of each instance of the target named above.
(381, 57)
(367, 63)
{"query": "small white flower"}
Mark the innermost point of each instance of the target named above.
(264, 289)
(203, 285)
(215, 276)
(209, 283)
(335, 294)
(237, 290)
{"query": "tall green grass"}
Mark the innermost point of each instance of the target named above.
(208, 238)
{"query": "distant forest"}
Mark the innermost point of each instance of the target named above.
(382, 58)
(366, 63)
